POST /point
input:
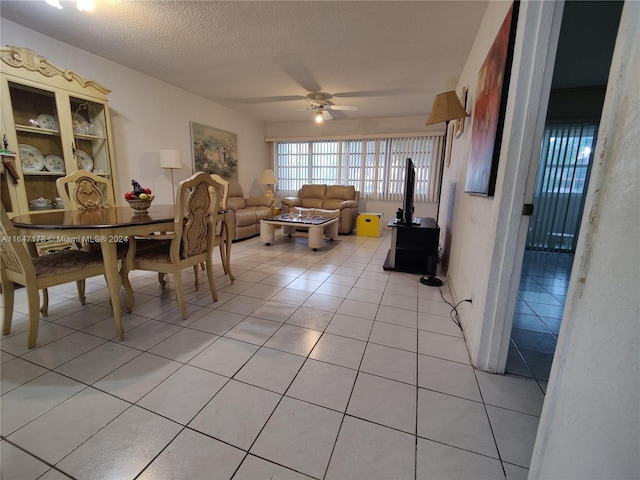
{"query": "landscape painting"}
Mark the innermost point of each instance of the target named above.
(214, 151)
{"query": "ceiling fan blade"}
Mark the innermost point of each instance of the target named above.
(344, 107)
(257, 100)
(327, 115)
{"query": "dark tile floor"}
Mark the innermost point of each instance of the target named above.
(539, 307)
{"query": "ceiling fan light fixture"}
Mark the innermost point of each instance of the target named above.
(85, 5)
(319, 118)
(54, 3)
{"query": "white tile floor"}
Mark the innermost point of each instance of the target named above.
(311, 365)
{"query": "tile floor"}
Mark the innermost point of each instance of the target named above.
(539, 308)
(311, 365)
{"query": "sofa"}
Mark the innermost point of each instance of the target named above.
(243, 215)
(344, 198)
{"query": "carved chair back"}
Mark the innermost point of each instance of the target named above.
(84, 190)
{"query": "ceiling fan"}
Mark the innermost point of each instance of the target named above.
(322, 106)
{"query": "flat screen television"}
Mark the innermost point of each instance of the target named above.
(409, 189)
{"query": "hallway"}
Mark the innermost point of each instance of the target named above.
(539, 307)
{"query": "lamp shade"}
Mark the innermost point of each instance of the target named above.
(446, 106)
(268, 178)
(170, 159)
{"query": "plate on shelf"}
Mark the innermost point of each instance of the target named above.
(48, 121)
(31, 158)
(85, 162)
(54, 163)
(80, 124)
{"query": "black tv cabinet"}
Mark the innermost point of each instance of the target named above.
(414, 247)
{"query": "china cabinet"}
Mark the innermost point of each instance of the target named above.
(53, 122)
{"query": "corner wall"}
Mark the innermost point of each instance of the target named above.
(144, 115)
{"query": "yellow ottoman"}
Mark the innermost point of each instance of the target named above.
(369, 224)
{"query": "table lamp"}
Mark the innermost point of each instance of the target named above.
(171, 159)
(446, 107)
(268, 178)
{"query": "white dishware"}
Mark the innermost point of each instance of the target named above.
(40, 202)
(80, 124)
(54, 163)
(31, 158)
(85, 162)
(48, 121)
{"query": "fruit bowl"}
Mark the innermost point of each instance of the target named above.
(139, 206)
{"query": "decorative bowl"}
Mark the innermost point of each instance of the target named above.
(41, 202)
(139, 206)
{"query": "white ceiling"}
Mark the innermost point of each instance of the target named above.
(389, 58)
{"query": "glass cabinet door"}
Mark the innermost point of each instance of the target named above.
(41, 157)
(91, 148)
(56, 122)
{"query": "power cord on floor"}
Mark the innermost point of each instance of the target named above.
(455, 317)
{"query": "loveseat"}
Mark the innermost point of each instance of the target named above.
(243, 215)
(344, 198)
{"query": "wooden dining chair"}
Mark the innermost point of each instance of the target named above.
(221, 228)
(38, 273)
(84, 190)
(192, 239)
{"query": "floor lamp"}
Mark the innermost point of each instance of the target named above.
(446, 107)
(171, 159)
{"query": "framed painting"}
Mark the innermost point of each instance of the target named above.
(459, 123)
(490, 106)
(214, 151)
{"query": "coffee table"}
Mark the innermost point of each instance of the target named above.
(316, 226)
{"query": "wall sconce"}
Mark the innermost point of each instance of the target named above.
(268, 178)
(171, 159)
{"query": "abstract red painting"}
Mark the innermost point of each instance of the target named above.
(488, 114)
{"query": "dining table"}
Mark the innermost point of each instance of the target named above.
(107, 226)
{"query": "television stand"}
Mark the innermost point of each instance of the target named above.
(414, 247)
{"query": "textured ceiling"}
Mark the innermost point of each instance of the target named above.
(388, 58)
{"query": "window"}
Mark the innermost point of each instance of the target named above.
(374, 166)
(566, 157)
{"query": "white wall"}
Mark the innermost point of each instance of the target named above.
(469, 235)
(148, 115)
(590, 423)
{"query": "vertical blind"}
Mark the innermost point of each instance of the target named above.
(563, 175)
(374, 166)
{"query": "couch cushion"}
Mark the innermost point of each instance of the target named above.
(342, 192)
(312, 191)
(245, 216)
(235, 197)
(236, 203)
(235, 190)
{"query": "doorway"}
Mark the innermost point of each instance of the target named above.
(585, 48)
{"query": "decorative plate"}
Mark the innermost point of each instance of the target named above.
(85, 162)
(48, 121)
(54, 163)
(31, 158)
(80, 124)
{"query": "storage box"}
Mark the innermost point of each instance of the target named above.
(369, 224)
